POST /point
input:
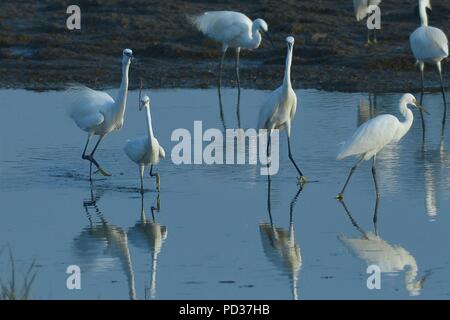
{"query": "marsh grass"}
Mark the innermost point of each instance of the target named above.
(11, 289)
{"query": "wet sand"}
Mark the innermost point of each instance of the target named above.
(38, 52)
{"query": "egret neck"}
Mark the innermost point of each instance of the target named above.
(404, 125)
(121, 102)
(287, 70)
(256, 36)
(149, 127)
(423, 14)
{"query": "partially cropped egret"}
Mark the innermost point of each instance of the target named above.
(279, 110)
(232, 30)
(98, 113)
(429, 45)
(372, 136)
(145, 150)
(362, 8)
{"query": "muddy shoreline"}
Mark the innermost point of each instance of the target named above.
(37, 51)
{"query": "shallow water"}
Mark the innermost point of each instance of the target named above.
(212, 237)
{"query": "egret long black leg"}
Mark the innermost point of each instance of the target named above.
(86, 157)
(375, 216)
(302, 177)
(340, 196)
(238, 113)
(91, 158)
(141, 175)
(158, 181)
(374, 174)
(222, 118)
(444, 118)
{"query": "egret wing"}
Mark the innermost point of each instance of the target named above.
(222, 26)
(269, 109)
(429, 43)
(371, 136)
(87, 109)
(136, 148)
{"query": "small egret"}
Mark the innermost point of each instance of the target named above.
(362, 10)
(372, 136)
(145, 150)
(429, 45)
(232, 30)
(279, 109)
(98, 113)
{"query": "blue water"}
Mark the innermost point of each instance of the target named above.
(212, 237)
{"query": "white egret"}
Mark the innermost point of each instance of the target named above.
(145, 150)
(279, 109)
(362, 8)
(372, 136)
(98, 113)
(429, 45)
(232, 30)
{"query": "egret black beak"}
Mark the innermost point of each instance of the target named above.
(141, 105)
(269, 38)
(421, 108)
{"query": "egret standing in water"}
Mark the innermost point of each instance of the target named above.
(145, 150)
(362, 8)
(279, 110)
(429, 45)
(372, 136)
(232, 30)
(98, 113)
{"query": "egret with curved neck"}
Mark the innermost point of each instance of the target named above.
(98, 113)
(372, 136)
(232, 30)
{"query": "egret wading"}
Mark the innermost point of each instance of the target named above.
(361, 8)
(233, 30)
(372, 136)
(429, 45)
(98, 113)
(279, 109)
(145, 150)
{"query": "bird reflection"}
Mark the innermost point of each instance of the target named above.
(280, 246)
(101, 243)
(149, 235)
(367, 109)
(370, 248)
(238, 108)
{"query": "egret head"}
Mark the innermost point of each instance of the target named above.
(290, 42)
(144, 103)
(409, 99)
(127, 55)
(261, 25)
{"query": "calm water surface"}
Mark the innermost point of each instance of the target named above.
(213, 237)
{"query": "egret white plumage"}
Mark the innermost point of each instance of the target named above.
(98, 113)
(232, 30)
(362, 10)
(279, 109)
(429, 45)
(145, 150)
(372, 136)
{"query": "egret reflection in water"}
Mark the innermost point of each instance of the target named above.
(100, 245)
(149, 235)
(391, 259)
(280, 246)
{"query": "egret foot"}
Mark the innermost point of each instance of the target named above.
(340, 197)
(103, 172)
(302, 180)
